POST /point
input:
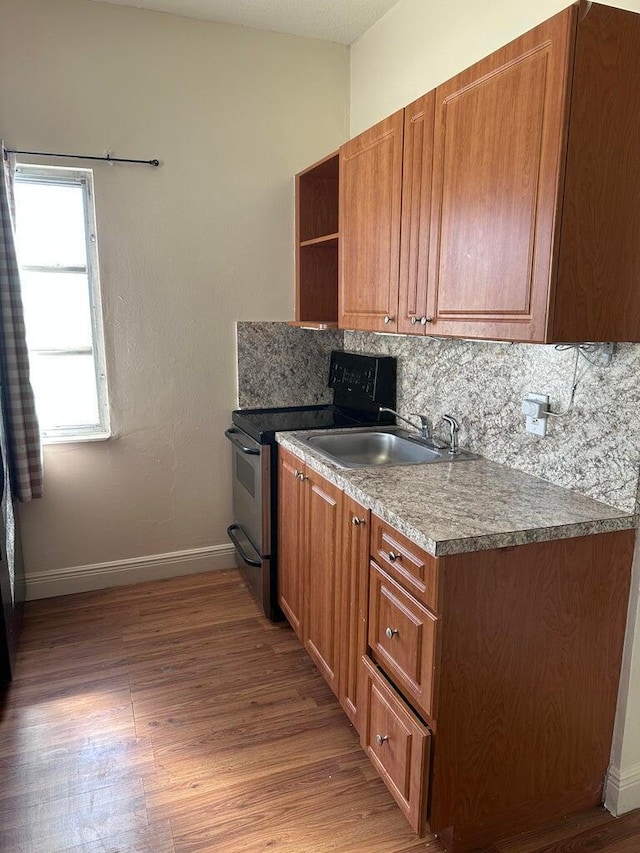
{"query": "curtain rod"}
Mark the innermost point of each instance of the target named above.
(107, 158)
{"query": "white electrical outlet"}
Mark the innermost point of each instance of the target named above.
(535, 408)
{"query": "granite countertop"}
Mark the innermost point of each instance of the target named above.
(476, 505)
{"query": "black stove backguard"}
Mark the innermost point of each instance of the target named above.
(363, 383)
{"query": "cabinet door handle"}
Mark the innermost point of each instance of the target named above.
(388, 319)
(414, 320)
(301, 476)
(357, 522)
(391, 633)
(425, 320)
(393, 557)
(380, 739)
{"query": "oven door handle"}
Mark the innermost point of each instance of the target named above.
(231, 434)
(248, 560)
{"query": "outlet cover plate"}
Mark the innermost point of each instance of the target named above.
(537, 426)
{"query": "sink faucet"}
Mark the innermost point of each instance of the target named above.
(454, 428)
(426, 433)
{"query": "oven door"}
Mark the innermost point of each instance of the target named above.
(251, 483)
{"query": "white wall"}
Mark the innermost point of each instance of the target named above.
(413, 48)
(419, 44)
(185, 250)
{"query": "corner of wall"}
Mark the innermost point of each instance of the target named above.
(622, 790)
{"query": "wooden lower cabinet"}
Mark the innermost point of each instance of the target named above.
(483, 685)
(354, 552)
(403, 640)
(323, 574)
(290, 557)
(526, 661)
(397, 743)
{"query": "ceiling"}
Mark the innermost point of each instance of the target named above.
(333, 20)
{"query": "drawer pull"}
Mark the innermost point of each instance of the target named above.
(393, 556)
(357, 522)
(380, 739)
(391, 633)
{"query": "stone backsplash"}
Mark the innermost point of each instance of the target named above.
(594, 449)
(281, 365)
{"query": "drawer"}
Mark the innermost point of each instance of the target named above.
(397, 744)
(404, 561)
(403, 639)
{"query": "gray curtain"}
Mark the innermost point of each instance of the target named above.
(23, 433)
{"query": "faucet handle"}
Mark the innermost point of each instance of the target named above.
(453, 423)
(425, 423)
(454, 429)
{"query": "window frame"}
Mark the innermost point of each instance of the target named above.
(64, 176)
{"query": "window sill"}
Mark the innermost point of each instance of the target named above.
(80, 437)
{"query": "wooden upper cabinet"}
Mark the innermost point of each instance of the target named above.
(416, 214)
(370, 200)
(535, 211)
(597, 294)
(500, 129)
(506, 204)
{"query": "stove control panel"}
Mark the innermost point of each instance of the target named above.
(363, 381)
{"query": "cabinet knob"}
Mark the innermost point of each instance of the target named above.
(414, 320)
(300, 476)
(357, 522)
(425, 320)
(393, 556)
(391, 633)
(380, 739)
(388, 319)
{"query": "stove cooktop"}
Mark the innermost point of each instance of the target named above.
(263, 424)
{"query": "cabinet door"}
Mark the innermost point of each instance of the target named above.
(354, 555)
(290, 558)
(402, 637)
(321, 574)
(416, 213)
(397, 744)
(500, 137)
(370, 197)
(417, 571)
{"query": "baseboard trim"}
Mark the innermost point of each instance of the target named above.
(67, 581)
(622, 791)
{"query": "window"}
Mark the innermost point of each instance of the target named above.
(58, 256)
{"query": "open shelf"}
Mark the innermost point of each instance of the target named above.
(316, 240)
(317, 244)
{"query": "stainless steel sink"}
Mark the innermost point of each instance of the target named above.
(360, 448)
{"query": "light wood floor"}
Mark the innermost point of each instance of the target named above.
(171, 717)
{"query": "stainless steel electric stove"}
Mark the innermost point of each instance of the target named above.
(361, 385)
